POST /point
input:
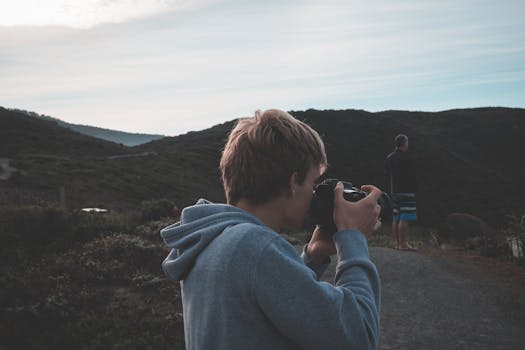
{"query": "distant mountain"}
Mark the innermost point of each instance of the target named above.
(468, 160)
(125, 138)
(23, 135)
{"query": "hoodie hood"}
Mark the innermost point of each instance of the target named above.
(198, 226)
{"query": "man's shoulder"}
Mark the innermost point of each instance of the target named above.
(256, 239)
(398, 154)
(257, 234)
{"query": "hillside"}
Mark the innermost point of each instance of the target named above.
(94, 172)
(468, 160)
(125, 138)
(22, 135)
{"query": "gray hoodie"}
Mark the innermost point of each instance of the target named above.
(245, 287)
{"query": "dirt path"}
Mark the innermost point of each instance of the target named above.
(431, 302)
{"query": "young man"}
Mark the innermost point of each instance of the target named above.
(402, 173)
(244, 286)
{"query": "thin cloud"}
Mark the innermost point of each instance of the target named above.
(83, 14)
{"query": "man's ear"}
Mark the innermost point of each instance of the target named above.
(293, 183)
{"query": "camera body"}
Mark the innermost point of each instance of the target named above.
(322, 206)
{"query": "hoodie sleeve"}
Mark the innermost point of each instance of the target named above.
(317, 314)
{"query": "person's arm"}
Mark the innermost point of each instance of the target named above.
(386, 166)
(319, 267)
(318, 315)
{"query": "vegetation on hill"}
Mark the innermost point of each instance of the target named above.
(97, 173)
(85, 281)
(468, 160)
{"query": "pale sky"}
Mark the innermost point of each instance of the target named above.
(168, 66)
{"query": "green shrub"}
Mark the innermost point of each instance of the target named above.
(86, 225)
(33, 226)
(151, 229)
(36, 227)
(156, 209)
(515, 228)
(109, 293)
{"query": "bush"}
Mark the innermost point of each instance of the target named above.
(151, 229)
(156, 209)
(109, 293)
(515, 229)
(33, 226)
(78, 281)
(86, 226)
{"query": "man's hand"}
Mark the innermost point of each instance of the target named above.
(321, 246)
(362, 215)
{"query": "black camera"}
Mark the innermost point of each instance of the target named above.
(322, 206)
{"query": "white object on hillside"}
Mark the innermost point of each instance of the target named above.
(95, 210)
(516, 244)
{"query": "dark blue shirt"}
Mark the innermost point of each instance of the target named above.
(401, 171)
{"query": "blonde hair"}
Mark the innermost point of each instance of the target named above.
(264, 151)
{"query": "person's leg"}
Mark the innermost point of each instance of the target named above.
(395, 220)
(407, 213)
(403, 234)
(395, 233)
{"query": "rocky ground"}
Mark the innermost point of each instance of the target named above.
(435, 299)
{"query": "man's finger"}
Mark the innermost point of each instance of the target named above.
(377, 226)
(373, 192)
(338, 191)
(377, 210)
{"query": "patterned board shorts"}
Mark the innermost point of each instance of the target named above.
(404, 207)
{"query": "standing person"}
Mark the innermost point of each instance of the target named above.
(243, 285)
(403, 186)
